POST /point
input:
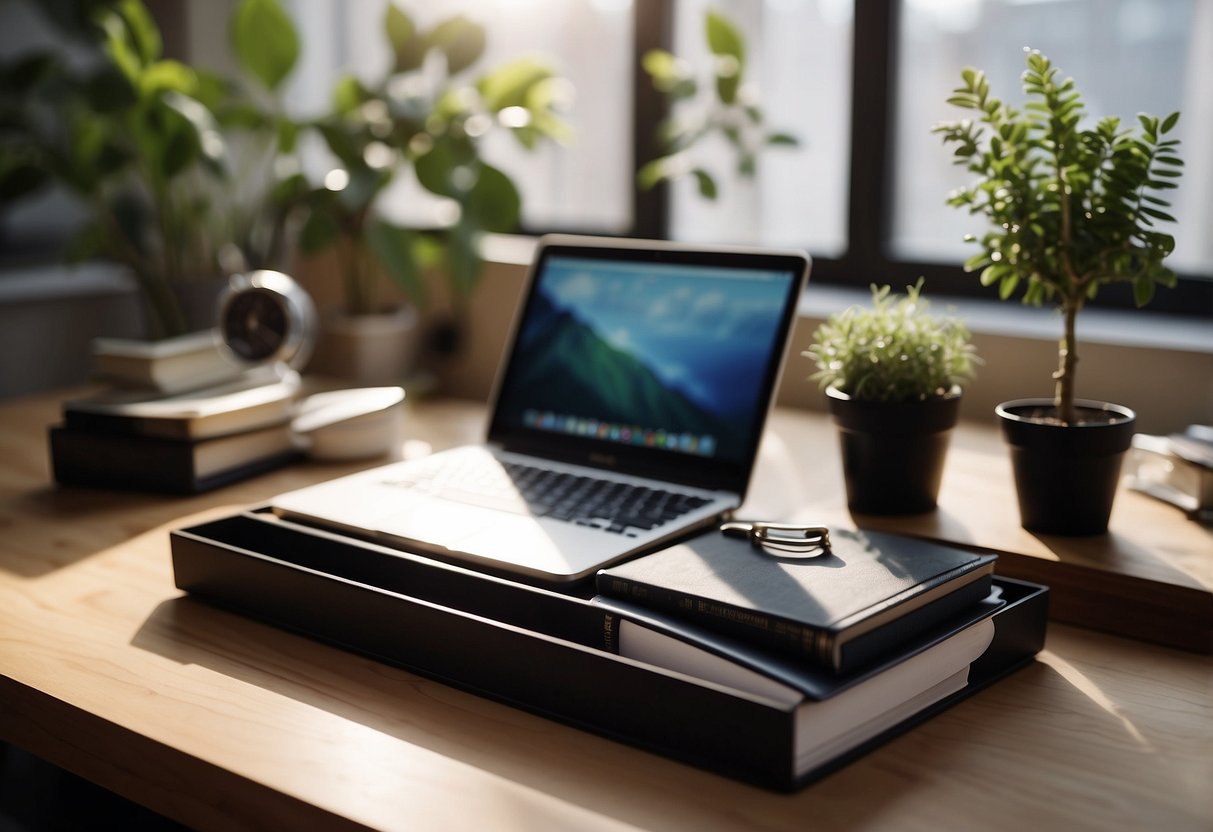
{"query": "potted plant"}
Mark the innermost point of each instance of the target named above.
(730, 111)
(1070, 210)
(256, 205)
(127, 132)
(428, 116)
(893, 374)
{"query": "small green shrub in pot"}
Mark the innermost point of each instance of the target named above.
(895, 351)
(893, 375)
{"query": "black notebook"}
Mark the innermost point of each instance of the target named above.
(101, 459)
(870, 594)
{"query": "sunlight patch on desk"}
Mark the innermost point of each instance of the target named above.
(1090, 690)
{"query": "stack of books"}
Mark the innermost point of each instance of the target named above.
(856, 637)
(1177, 468)
(153, 439)
(172, 365)
(769, 668)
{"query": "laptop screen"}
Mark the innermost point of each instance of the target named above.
(656, 360)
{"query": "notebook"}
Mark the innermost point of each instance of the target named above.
(626, 412)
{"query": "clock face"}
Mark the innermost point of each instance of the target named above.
(256, 324)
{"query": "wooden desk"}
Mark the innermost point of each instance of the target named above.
(222, 722)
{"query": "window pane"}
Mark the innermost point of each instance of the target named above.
(799, 56)
(1126, 56)
(585, 185)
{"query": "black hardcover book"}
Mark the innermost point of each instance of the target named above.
(477, 631)
(871, 593)
(100, 459)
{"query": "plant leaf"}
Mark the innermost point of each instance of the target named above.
(460, 39)
(1143, 290)
(320, 228)
(141, 31)
(652, 173)
(265, 41)
(707, 185)
(493, 203)
(407, 46)
(723, 37)
(786, 139)
(393, 248)
(509, 85)
(168, 75)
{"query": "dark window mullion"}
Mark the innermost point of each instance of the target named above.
(654, 29)
(868, 213)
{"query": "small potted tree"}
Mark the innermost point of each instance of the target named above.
(1070, 211)
(893, 374)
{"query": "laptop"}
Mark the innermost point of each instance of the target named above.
(626, 412)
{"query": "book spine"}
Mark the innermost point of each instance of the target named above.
(106, 461)
(178, 429)
(788, 636)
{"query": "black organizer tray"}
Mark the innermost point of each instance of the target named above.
(524, 645)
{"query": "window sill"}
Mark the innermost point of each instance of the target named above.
(1013, 319)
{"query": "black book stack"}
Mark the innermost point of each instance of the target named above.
(179, 442)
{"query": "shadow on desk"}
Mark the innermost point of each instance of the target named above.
(555, 759)
(604, 776)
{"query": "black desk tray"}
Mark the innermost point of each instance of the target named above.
(533, 648)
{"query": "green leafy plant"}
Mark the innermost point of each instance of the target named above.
(1070, 209)
(260, 197)
(894, 351)
(430, 114)
(729, 110)
(127, 132)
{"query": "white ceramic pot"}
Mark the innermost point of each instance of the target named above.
(369, 349)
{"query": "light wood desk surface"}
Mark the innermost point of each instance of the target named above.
(224, 723)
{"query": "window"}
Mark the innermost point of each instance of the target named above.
(858, 82)
(798, 56)
(1127, 57)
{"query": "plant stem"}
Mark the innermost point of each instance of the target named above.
(1071, 287)
(167, 318)
(1067, 363)
(356, 275)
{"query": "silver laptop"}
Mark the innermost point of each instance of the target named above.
(627, 412)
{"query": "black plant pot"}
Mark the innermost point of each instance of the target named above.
(893, 453)
(1066, 475)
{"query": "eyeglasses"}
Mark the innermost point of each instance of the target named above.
(783, 538)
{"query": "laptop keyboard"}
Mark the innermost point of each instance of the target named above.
(613, 506)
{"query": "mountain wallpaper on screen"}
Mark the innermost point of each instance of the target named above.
(562, 360)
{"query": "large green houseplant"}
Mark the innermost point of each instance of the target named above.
(1071, 209)
(427, 117)
(126, 131)
(893, 373)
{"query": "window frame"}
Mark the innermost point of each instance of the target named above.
(868, 257)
